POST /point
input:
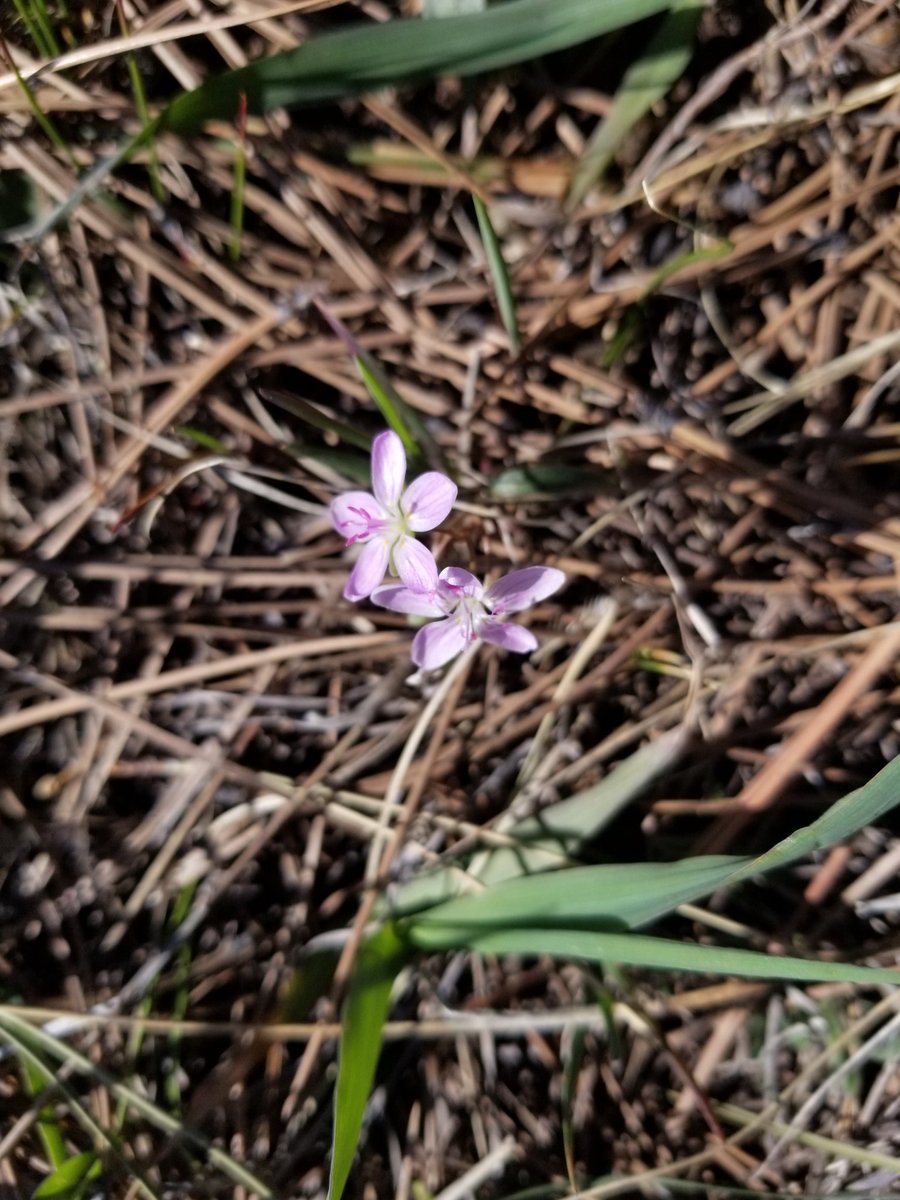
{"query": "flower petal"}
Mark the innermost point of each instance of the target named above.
(415, 565)
(345, 512)
(461, 582)
(521, 589)
(402, 600)
(437, 643)
(428, 500)
(388, 467)
(507, 635)
(368, 571)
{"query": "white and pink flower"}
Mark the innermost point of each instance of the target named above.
(387, 522)
(468, 612)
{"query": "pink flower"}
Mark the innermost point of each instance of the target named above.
(469, 613)
(387, 521)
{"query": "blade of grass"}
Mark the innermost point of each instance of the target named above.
(365, 1012)
(140, 104)
(628, 895)
(398, 415)
(52, 133)
(548, 841)
(560, 829)
(548, 480)
(641, 950)
(367, 57)
(43, 43)
(499, 274)
(646, 81)
(635, 315)
(842, 820)
(19, 1033)
(391, 407)
(71, 1179)
(23, 1038)
(572, 1056)
(48, 1129)
(318, 420)
(42, 19)
(240, 181)
(608, 896)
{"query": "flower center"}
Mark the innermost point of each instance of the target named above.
(363, 526)
(468, 611)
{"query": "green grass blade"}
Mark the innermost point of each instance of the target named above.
(43, 43)
(365, 1012)
(397, 414)
(23, 1038)
(547, 842)
(620, 894)
(42, 20)
(845, 818)
(71, 1178)
(640, 950)
(548, 481)
(88, 183)
(48, 1129)
(573, 1057)
(367, 57)
(609, 896)
(236, 216)
(499, 274)
(560, 829)
(635, 316)
(387, 401)
(22, 1034)
(318, 420)
(50, 131)
(141, 107)
(647, 80)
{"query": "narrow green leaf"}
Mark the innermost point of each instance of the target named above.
(201, 438)
(236, 215)
(318, 420)
(23, 1036)
(635, 315)
(505, 301)
(404, 421)
(354, 466)
(367, 57)
(647, 80)
(549, 840)
(640, 950)
(142, 109)
(557, 832)
(365, 1012)
(548, 480)
(43, 44)
(389, 404)
(612, 896)
(49, 129)
(34, 1078)
(69, 1179)
(845, 818)
(573, 1057)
